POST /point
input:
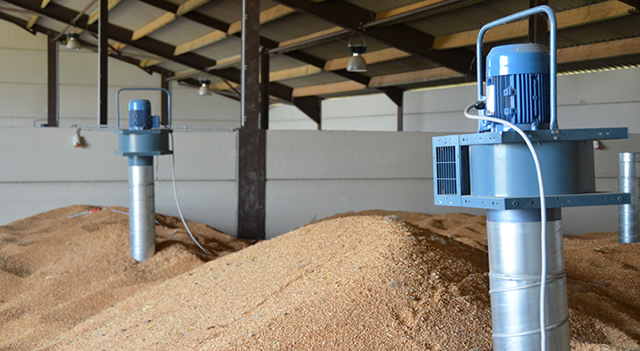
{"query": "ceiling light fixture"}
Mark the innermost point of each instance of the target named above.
(356, 62)
(204, 88)
(72, 42)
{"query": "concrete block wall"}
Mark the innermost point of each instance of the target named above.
(44, 171)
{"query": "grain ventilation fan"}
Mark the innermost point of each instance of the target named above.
(522, 168)
(140, 143)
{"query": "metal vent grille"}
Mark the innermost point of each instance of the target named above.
(446, 170)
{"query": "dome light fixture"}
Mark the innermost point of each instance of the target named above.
(204, 88)
(357, 62)
(72, 42)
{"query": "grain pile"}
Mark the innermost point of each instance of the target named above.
(374, 280)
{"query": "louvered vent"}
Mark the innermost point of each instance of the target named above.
(446, 170)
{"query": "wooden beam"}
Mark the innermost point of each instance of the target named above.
(566, 19)
(310, 36)
(223, 86)
(189, 6)
(300, 71)
(413, 77)
(45, 3)
(119, 46)
(93, 17)
(185, 74)
(202, 41)
(266, 16)
(148, 63)
(608, 49)
(407, 8)
(331, 88)
(153, 26)
(32, 21)
(370, 57)
(210, 38)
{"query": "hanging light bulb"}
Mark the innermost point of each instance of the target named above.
(356, 62)
(72, 42)
(204, 87)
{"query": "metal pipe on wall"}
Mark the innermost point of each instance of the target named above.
(629, 182)
(514, 278)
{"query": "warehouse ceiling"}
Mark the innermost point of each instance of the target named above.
(410, 43)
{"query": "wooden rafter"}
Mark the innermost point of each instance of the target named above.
(202, 41)
(607, 49)
(32, 21)
(580, 16)
(299, 71)
(45, 3)
(370, 57)
(148, 63)
(266, 16)
(96, 14)
(190, 5)
(153, 26)
(331, 88)
(309, 36)
(404, 9)
(413, 77)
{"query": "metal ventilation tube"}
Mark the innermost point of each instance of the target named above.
(142, 226)
(629, 214)
(514, 278)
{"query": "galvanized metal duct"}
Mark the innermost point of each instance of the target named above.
(514, 277)
(142, 238)
(629, 182)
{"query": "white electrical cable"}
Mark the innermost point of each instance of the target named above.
(175, 194)
(543, 218)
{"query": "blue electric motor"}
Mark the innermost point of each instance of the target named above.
(517, 87)
(140, 116)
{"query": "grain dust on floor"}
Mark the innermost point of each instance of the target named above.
(367, 281)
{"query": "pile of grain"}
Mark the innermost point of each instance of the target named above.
(372, 280)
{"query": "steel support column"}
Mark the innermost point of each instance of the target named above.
(103, 54)
(52, 83)
(164, 112)
(397, 96)
(538, 25)
(264, 92)
(251, 138)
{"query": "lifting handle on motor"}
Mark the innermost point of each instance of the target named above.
(552, 53)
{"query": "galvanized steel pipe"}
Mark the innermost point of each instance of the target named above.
(142, 236)
(629, 182)
(514, 277)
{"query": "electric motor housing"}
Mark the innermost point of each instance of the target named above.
(517, 87)
(140, 117)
